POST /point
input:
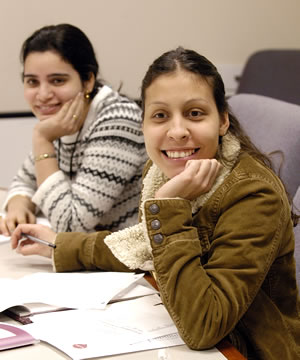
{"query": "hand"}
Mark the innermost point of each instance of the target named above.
(196, 179)
(20, 210)
(68, 120)
(29, 247)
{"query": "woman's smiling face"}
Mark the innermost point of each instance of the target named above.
(49, 82)
(181, 121)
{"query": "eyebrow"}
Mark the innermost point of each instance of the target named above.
(187, 102)
(51, 75)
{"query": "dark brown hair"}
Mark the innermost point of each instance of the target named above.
(71, 44)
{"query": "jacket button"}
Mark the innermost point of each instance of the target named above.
(158, 238)
(155, 224)
(154, 209)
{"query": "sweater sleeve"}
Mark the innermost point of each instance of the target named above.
(104, 193)
(24, 182)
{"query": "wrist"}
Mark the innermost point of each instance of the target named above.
(41, 136)
(44, 156)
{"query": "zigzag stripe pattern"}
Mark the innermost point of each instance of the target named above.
(99, 181)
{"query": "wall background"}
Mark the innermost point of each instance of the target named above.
(129, 34)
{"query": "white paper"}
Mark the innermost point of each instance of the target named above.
(123, 327)
(126, 326)
(73, 290)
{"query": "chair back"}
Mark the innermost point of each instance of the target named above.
(275, 125)
(272, 73)
(272, 125)
(296, 201)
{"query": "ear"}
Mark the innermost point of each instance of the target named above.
(224, 124)
(88, 85)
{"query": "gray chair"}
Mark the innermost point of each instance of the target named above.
(274, 73)
(297, 237)
(275, 125)
(272, 125)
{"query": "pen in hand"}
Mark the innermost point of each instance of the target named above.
(40, 241)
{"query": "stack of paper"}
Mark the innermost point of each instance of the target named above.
(123, 327)
(44, 292)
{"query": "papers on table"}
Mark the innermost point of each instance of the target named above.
(24, 313)
(81, 290)
(39, 220)
(123, 327)
(95, 329)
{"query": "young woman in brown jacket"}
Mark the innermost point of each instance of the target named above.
(215, 221)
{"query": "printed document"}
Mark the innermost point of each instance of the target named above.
(122, 327)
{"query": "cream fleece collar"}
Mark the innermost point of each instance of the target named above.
(132, 246)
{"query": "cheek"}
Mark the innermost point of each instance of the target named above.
(151, 136)
(28, 94)
(66, 94)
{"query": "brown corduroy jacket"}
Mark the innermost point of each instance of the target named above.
(227, 270)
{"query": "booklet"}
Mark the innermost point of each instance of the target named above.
(116, 287)
(13, 336)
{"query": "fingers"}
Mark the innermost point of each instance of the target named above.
(75, 112)
(29, 247)
(31, 218)
(3, 227)
(200, 175)
(7, 226)
(9, 223)
(71, 115)
(16, 236)
(207, 173)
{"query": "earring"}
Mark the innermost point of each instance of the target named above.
(87, 95)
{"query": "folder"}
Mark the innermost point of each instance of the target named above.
(12, 336)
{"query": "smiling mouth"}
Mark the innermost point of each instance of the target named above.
(179, 154)
(47, 108)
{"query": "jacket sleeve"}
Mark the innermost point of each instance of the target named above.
(79, 251)
(111, 160)
(240, 242)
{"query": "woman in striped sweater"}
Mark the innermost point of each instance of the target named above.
(84, 170)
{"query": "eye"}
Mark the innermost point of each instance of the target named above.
(195, 114)
(58, 81)
(31, 82)
(159, 115)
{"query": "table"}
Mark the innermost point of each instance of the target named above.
(14, 265)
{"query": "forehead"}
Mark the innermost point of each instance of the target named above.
(180, 84)
(46, 60)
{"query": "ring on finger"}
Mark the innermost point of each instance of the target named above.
(74, 116)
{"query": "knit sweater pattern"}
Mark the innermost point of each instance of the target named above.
(99, 181)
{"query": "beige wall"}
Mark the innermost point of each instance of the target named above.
(129, 34)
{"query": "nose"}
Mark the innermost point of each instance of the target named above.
(178, 129)
(44, 92)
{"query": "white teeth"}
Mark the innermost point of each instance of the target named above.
(179, 154)
(46, 107)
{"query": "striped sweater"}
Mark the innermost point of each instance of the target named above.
(99, 181)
